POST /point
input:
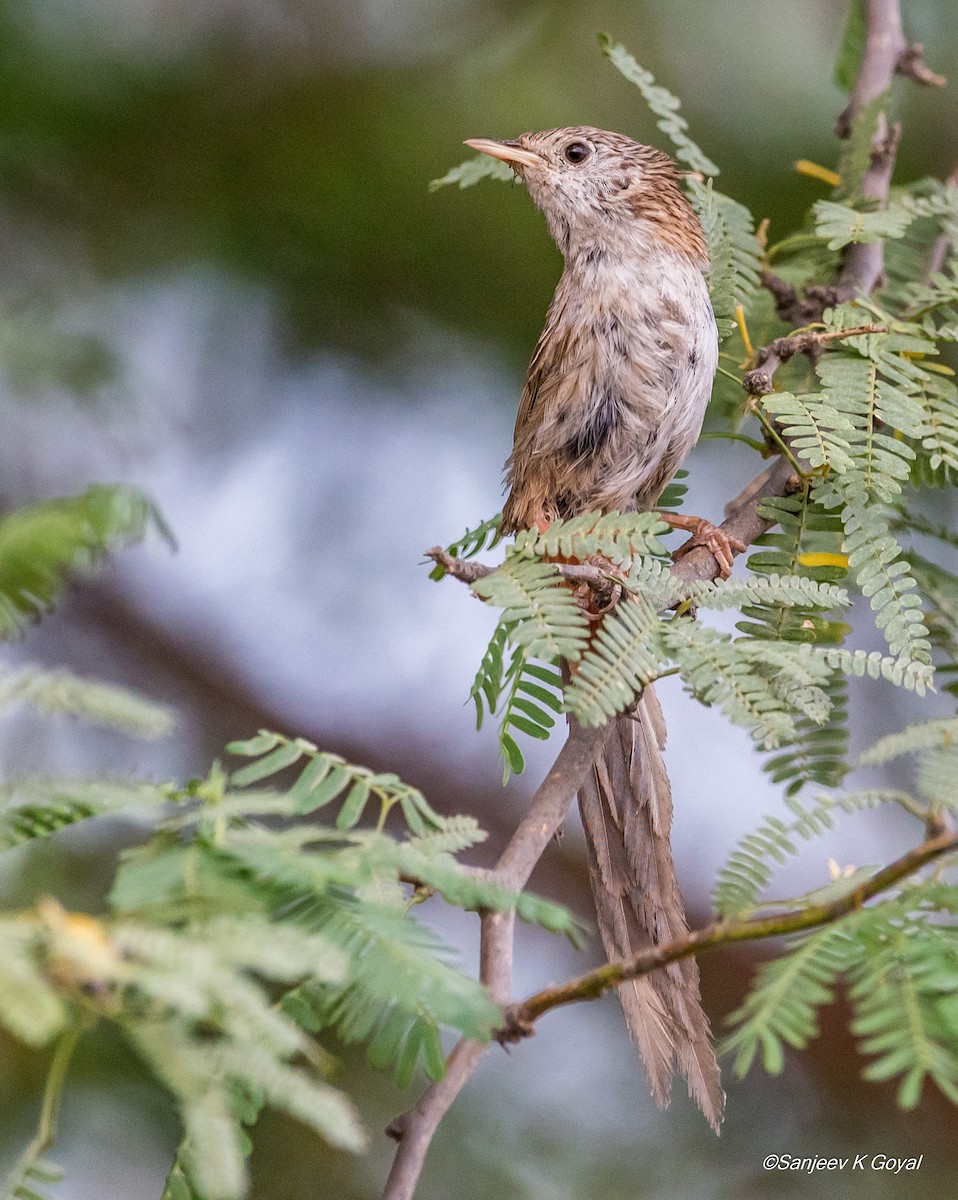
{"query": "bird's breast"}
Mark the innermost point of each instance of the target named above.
(617, 387)
(636, 346)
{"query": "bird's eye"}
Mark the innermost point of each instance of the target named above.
(577, 152)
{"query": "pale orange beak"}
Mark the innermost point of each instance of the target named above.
(510, 152)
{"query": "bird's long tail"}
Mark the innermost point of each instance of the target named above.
(626, 806)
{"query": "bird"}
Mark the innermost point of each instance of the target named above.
(614, 401)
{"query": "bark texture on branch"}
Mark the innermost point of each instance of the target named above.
(886, 53)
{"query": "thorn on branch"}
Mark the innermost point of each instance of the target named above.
(396, 1128)
(911, 64)
(884, 151)
(758, 382)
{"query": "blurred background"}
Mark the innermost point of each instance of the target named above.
(222, 278)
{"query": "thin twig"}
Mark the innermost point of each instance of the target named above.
(758, 380)
(469, 571)
(46, 1131)
(742, 523)
(521, 1017)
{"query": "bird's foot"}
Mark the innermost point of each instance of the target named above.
(720, 545)
(595, 601)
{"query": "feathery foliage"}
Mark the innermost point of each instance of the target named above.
(249, 933)
(882, 573)
(468, 173)
(735, 255)
(662, 104)
(541, 621)
(897, 957)
(327, 777)
(542, 614)
(902, 992)
(619, 537)
(817, 752)
(782, 1007)
(41, 545)
(675, 492)
(838, 225)
(814, 429)
(851, 48)
(939, 587)
(29, 1180)
(752, 864)
(60, 692)
(240, 928)
(624, 656)
(532, 694)
(35, 807)
(870, 422)
(900, 968)
(916, 739)
(218, 915)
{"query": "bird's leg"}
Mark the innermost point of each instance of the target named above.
(596, 601)
(704, 533)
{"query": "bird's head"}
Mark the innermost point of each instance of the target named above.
(603, 189)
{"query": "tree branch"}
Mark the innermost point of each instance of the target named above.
(886, 52)
(414, 1130)
(864, 263)
(521, 1017)
(799, 309)
(758, 380)
(742, 519)
(469, 571)
(742, 522)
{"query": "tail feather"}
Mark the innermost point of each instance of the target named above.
(626, 806)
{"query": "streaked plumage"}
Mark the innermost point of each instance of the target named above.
(613, 402)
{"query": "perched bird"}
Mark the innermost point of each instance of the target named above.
(613, 402)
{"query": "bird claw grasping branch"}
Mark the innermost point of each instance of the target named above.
(720, 544)
(614, 401)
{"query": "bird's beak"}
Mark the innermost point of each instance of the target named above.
(510, 152)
